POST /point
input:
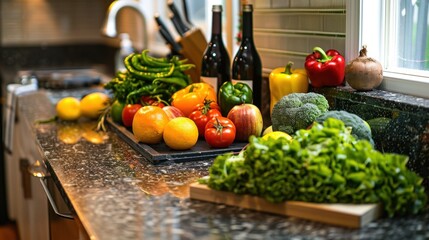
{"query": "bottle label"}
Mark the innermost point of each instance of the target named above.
(210, 80)
(248, 82)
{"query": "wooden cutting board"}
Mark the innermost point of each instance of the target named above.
(346, 215)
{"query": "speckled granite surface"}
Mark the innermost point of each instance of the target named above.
(118, 195)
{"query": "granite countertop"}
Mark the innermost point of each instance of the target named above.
(117, 194)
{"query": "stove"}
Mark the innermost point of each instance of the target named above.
(61, 78)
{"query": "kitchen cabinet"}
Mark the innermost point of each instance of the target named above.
(27, 201)
(27, 197)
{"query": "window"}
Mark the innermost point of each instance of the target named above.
(396, 32)
(411, 19)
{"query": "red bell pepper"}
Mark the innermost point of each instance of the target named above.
(325, 69)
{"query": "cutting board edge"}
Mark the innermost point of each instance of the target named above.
(309, 211)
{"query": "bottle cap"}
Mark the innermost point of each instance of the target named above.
(247, 8)
(217, 8)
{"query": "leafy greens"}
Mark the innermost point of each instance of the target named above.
(324, 164)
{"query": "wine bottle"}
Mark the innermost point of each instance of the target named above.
(247, 66)
(216, 64)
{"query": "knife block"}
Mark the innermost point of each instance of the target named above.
(193, 46)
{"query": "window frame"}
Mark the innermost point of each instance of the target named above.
(393, 81)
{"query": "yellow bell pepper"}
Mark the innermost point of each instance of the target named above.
(284, 80)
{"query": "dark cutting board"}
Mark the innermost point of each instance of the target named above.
(158, 153)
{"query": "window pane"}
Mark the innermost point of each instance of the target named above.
(412, 34)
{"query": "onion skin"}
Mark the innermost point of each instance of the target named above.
(364, 73)
(173, 112)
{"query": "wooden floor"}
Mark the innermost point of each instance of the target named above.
(8, 232)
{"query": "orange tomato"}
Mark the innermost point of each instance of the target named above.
(188, 98)
(149, 123)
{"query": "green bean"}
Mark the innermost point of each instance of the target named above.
(146, 75)
(135, 62)
(154, 62)
(172, 80)
(184, 67)
(134, 72)
(176, 60)
(145, 90)
(158, 91)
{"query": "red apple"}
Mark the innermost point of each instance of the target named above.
(247, 119)
(173, 112)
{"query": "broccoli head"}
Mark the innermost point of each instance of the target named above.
(360, 129)
(297, 111)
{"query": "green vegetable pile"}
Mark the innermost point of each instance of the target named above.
(297, 111)
(149, 76)
(324, 164)
(360, 129)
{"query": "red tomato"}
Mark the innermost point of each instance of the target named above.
(219, 132)
(158, 104)
(128, 113)
(207, 104)
(151, 101)
(203, 113)
(146, 99)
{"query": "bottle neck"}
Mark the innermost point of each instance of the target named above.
(247, 25)
(217, 24)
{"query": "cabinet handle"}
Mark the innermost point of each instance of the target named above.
(37, 170)
(25, 178)
(52, 202)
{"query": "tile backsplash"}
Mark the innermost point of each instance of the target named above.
(287, 30)
(49, 22)
(35, 22)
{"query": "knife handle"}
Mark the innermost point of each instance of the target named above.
(175, 47)
(166, 35)
(186, 14)
(177, 25)
(177, 20)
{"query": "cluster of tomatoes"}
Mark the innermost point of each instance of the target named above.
(218, 131)
(199, 106)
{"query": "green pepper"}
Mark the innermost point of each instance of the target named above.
(233, 94)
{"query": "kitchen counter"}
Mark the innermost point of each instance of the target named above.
(117, 194)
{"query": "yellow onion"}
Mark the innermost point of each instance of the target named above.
(364, 73)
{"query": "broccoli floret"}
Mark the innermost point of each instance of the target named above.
(297, 111)
(360, 129)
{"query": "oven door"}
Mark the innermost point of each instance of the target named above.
(61, 221)
(63, 224)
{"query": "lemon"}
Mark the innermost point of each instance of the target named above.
(267, 130)
(93, 104)
(68, 109)
(180, 133)
(276, 135)
(149, 123)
